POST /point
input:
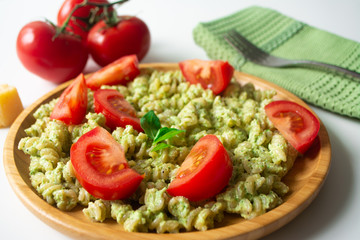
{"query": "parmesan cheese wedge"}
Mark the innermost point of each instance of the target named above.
(10, 105)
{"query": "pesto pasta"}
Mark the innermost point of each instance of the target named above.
(260, 155)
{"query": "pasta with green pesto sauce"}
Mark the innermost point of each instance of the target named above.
(259, 153)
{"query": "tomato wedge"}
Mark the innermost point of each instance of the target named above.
(214, 75)
(117, 111)
(121, 71)
(72, 104)
(101, 167)
(297, 124)
(204, 173)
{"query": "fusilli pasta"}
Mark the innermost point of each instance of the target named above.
(260, 155)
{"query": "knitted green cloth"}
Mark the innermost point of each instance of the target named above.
(286, 37)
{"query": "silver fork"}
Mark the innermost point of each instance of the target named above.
(258, 56)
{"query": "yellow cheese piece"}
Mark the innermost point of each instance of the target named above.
(10, 105)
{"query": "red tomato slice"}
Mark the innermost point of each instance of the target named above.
(72, 104)
(297, 124)
(121, 71)
(214, 75)
(117, 111)
(205, 172)
(101, 167)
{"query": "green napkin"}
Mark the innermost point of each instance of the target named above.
(286, 37)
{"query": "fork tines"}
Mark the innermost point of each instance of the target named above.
(244, 46)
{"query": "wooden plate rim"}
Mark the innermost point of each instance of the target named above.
(249, 229)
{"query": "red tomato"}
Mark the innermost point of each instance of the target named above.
(56, 60)
(214, 75)
(72, 104)
(101, 167)
(117, 111)
(79, 22)
(121, 71)
(297, 124)
(204, 173)
(108, 43)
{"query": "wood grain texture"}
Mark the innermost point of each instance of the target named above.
(305, 180)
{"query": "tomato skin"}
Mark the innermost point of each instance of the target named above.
(121, 71)
(55, 60)
(72, 104)
(209, 177)
(78, 23)
(215, 74)
(296, 123)
(130, 36)
(117, 111)
(120, 183)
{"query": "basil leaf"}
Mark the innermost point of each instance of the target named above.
(160, 146)
(152, 127)
(151, 124)
(166, 133)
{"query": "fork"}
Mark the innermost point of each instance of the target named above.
(260, 57)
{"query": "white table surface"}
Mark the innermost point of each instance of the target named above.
(334, 214)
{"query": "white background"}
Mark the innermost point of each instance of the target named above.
(334, 214)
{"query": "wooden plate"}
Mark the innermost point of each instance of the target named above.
(304, 180)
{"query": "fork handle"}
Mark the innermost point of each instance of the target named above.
(326, 65)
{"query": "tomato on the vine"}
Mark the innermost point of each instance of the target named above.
(72, 104)
(205, 171)
(130, 35)
(214, 74)
(101, 167)
(56, 59)
(297, 124)
(79, 22)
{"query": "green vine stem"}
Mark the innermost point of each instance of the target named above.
(105, 6)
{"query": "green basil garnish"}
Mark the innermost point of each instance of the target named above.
(166, 133)
(160, 146)
(152, 127)
(151, 124)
